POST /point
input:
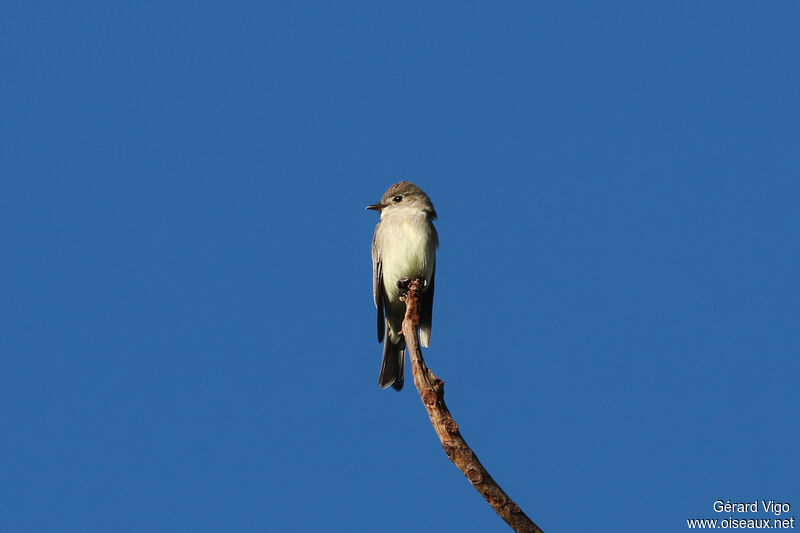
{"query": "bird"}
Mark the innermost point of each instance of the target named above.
(403, 249)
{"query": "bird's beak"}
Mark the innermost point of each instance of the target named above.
(376, 207)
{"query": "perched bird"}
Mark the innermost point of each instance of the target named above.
(403, 249)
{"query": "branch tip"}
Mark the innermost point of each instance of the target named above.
(431, 391)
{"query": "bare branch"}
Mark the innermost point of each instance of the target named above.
(431, 391)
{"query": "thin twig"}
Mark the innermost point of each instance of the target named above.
(431, 391)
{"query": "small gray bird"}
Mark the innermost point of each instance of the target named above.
(403, 248)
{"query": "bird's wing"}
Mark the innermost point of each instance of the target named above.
(377, 287)
(426, 316)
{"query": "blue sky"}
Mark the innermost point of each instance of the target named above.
(187, 325)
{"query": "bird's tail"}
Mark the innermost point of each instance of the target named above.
(393, 362)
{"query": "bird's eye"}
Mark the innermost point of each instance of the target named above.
(397, 199)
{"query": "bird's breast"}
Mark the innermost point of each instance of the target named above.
(407, 251)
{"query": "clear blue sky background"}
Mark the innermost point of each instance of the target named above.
(188, 339)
